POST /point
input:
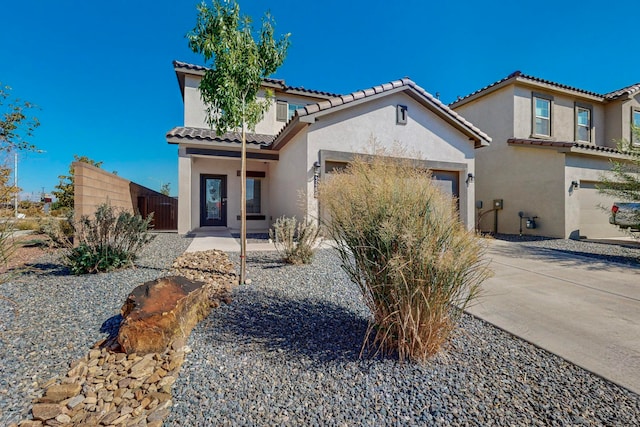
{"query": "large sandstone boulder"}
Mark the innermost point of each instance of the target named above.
(160, 311)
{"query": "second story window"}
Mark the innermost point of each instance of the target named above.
(541, 115)
(635, 126)
(583, 123)
(293, 108)
(285, 110)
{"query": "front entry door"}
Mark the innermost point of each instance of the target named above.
(213, 200)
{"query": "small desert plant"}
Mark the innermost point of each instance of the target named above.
(27, 224)
(400, 240)
(110, 240)
(58, 230)
(294, 240)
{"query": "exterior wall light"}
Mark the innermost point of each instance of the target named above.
(470, 178)
(575, 184)
(316, 178)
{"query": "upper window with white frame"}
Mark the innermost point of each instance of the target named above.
(541, 117)
(635, 126)
(583, 123)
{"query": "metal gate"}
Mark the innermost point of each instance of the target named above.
(164, 208)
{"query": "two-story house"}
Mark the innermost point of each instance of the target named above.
(304, 136)
(552, 144)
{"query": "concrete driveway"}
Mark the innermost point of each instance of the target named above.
(585, 310)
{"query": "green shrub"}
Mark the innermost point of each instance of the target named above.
(294, 240)
(110, 240)
(400, 240)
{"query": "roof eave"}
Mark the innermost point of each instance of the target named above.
(290, 130)
(482, 93)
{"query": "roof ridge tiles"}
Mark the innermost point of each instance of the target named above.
(628, 90)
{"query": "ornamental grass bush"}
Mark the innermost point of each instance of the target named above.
(401, 241)
(295, 241)
(110, 240)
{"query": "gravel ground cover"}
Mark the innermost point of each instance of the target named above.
(50, 318)
(625, 253)
(286, 352)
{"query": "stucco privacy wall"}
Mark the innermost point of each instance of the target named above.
(94, 186)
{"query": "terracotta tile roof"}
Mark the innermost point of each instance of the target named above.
(629, 90)
(386, 87)
(204, 135)
(179, 65)
(562, 144)
(519, 75)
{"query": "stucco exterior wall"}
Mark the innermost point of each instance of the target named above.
(200, 165)
(528, 180)
(289, 179)
(425, 136)
(588, 172)
(195, 111)
(626, 109)
(563, 127)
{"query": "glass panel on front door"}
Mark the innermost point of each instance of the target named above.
(213, 200)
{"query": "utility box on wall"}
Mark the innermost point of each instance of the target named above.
(497, 204)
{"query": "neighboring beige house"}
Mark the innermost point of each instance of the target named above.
(551, 145)
(304, 136)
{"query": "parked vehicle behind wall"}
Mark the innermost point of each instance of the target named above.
(626, 215)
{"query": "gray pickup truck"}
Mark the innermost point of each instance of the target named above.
(626, 215)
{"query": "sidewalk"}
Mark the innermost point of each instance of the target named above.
(222, 239)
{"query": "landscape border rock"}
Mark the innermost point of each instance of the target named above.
(107, 387)
(160, 311)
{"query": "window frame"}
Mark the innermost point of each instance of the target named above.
(291, 112)
(589, 109)
(549, 98)
(634, 140)
(249, 205)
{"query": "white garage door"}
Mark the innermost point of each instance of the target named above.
(447, 181)
(594, 221)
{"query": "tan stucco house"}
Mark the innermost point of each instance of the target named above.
(551, 145)
(303, 137)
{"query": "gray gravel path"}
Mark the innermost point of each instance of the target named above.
(285, 352)
(53, 318)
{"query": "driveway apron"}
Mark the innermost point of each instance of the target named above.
(583, 309)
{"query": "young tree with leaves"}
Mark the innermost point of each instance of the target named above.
(65, 188)
(624, 180)
(165, 189)
(237, 63)
(16, 125)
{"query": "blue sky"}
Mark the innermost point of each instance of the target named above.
(102, 76)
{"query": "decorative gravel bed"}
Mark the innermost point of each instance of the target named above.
(286, 351)
(53, 318)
